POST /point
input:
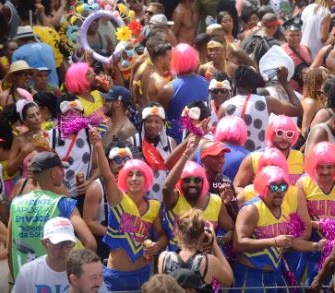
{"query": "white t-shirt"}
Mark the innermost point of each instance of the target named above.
(37, 276)
(311, 27)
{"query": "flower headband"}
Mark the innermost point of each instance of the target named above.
(27, 98)
(123, 152)
(193, 113)
(155, 110)
(67, 105)
(214, 84)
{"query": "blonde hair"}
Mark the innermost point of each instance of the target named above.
(190, 226)
(161, 283)
(313, 79)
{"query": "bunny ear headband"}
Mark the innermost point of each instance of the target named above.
(214, 84)
(27, 99)
(67, 105)
(193, 113)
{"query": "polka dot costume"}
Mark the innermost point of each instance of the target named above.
(79, 159)
(256, 118)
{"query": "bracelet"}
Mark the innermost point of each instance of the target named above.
(275, 242)
(186, 156)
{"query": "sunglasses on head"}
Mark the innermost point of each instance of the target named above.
(118, 160)
(220, 91)
(150, 13)
(161, 49)
(188, 180)
(287, 133)
(278, 187)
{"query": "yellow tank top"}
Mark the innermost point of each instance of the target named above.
(320, 205)
(91, 107)
(210, 213)
(295, 162)
(269, 226)
(127, 228)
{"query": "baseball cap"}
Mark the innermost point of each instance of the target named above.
(118, 93)
(214, 149)
(58, 230)
(160, 19)
(46, 160)
(43, 69)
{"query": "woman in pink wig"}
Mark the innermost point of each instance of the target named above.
(79, 80)
(131, 219)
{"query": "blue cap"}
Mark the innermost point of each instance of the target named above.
(118, 93)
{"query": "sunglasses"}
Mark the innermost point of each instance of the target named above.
(150, 13)
(118, 160)
(220, 91)
(321, 92)
(161, 49)
(64, 244)
(23, 73)
(278, 187)
(287, 133)
(195, 180)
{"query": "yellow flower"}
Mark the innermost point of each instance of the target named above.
(123, 34)
(122, 8)
(131, 14)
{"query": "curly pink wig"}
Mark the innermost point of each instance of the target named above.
(280, 122)
(323, 152)
(184, 59)
(272, 157)
(268, 175)
(194, 169)
(135, 164)
(75, 78)
(231, 129)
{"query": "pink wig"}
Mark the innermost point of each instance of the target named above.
(135, 164)
(75, 78)
(268, 175)
(231, 129)
(184, 59)
(280, 122)
(194, 169)
(272, 157)
(323, 152)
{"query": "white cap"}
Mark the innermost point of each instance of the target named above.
(58, 230)
(160, 19)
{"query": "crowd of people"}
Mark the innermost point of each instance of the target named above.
(167, 146)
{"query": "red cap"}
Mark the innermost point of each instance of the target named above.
(214, 149)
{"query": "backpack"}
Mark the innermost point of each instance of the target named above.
(256, 46)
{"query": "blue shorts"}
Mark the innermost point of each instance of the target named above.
(246, 278)
(125, 281)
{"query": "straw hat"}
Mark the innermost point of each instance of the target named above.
(16, 66)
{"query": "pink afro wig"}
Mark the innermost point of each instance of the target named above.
(194, 169)
(184, 59)
(268, 175)
(280, 122)
(231, 129)
(272, 157)
(135, 164)
(75, 78)
(323, 152)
